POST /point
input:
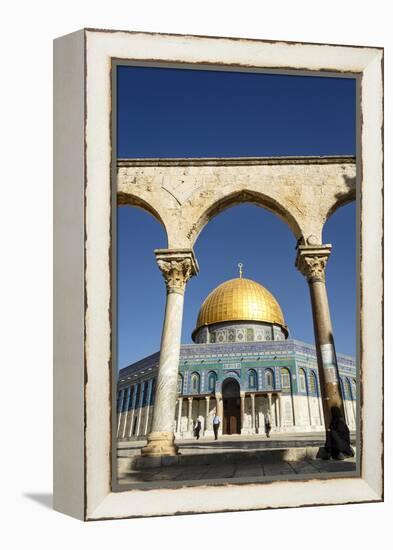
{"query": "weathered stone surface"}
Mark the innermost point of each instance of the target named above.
(184, 194)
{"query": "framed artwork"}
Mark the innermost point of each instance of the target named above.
(218, 274)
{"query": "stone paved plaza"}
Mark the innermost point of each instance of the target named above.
(230, 459)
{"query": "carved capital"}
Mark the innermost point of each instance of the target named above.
(177, 267)
(311, 261)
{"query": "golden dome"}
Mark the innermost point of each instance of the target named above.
(240, 300)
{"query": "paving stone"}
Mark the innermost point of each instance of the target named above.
(303, 467)
(281, 468)
(218, 472)
(190, 474)
(249, 470)
(333, 466)
(228, 459)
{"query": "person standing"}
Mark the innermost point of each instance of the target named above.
(338, 441)
(216, 425)
(268, 425)
(197, 427)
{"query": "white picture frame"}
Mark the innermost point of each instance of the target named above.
(83, 335)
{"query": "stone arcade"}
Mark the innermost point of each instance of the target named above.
(184, 194)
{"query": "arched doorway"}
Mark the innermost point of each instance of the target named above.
(231, 400)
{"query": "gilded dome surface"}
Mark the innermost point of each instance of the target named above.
(240, 300)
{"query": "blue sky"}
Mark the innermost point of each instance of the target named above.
(185, 113)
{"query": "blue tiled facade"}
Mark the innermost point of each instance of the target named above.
(278, 368)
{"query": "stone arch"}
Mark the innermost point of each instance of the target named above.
(240, 197)
(127, 199)
(342, 199)
(229, 374)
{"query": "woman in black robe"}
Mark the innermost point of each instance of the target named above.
(197, 428)
(338, 443)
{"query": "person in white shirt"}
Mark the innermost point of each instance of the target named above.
(216, 425)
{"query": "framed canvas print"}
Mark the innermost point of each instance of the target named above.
(218, 274)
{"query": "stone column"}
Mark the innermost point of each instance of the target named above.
(242, 411)
(309, 407)
(279, 410)
(207, 397)
(220, 411)
(179, 411)
(253, 412)
(120, 411)
(177, 267)
(311, 262)
(275, 411)
(125, 413)
(189, 421)
(269, 401)
(133, 406)
(139, 407)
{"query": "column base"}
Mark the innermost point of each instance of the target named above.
(160, 444)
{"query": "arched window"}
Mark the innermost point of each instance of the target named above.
(194, 382)
(211, 381)
(286, 379)
(302, 381)
(179, 384)
(313, 383)
(269, 379)
(252, 379)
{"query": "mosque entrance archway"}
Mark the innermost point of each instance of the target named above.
(231, 401)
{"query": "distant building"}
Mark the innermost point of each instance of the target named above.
(242, 365)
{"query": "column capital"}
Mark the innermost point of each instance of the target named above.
(177, 266)
(311, 261)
